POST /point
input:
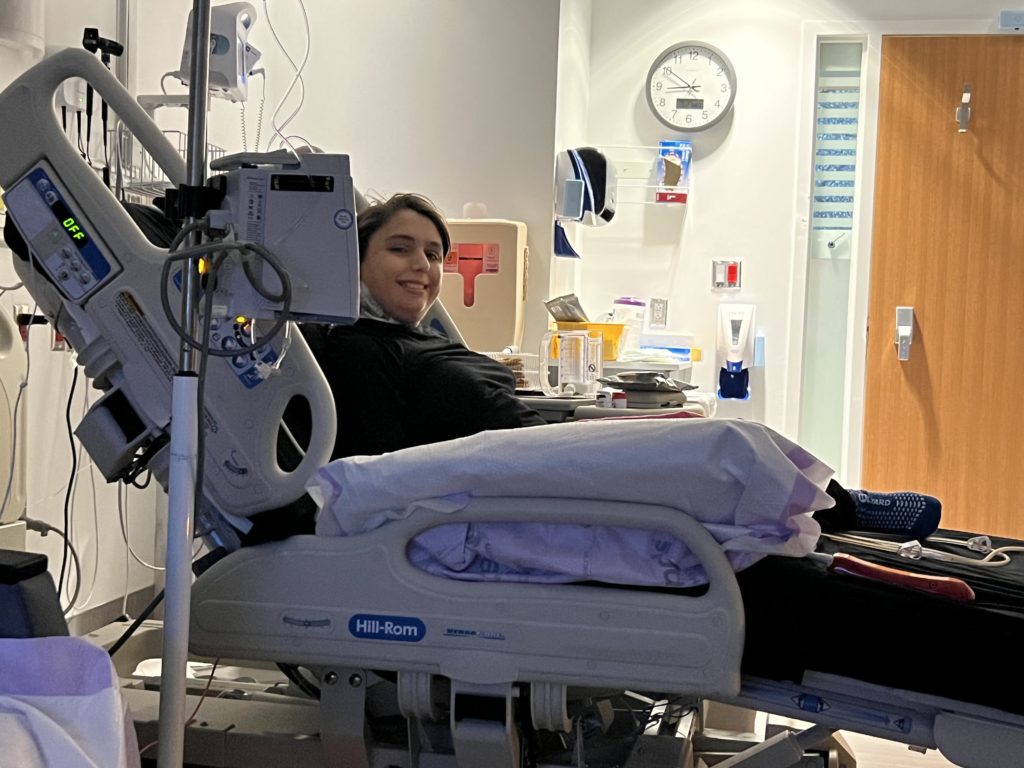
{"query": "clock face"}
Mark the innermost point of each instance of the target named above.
(691, 86)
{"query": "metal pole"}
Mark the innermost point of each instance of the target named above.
(122, 63)
(123, 70)
(184, 433)
(195, 160)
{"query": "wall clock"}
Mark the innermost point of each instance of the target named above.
(691, 86)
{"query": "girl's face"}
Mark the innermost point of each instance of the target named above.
(402, 265)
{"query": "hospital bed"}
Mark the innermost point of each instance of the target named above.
(490, 647)
(487, 660)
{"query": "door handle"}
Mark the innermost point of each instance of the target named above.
(904, 332)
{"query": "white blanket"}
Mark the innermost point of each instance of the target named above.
(60, 705)
(753, 489)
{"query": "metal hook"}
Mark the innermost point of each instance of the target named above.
(963, 112)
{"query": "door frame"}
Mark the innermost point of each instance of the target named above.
(870, 33)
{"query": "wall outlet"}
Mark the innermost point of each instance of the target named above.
(1013, 20)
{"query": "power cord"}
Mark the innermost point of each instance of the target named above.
(162, 79)
(97, 558)
(74, 467)
(14, 415)
(279, 129)
(913, 550)
(191, 718)
(122, 514)
(300, 681)
(44, 528)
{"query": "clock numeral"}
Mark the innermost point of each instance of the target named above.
(661, 102)
(694, 54)
(667, 71)
(657, 86)
(725, 87)
(718, 103)
(689, 119)
(721, 70)
(704, 115)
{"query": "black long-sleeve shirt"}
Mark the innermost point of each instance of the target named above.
(395, 387)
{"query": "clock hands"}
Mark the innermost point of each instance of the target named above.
(685, 85)
(675, 77)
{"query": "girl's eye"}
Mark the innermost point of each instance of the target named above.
(435, 256)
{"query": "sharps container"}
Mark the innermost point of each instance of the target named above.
(631, 312)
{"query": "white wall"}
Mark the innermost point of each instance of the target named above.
(572, 114)
(95, 528)
(747, 196)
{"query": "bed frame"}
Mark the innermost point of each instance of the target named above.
(344, 606)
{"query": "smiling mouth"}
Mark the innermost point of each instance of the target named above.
(414, 287)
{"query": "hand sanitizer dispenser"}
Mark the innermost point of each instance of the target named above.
(735, 350)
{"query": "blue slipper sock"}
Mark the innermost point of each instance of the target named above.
(905, 514)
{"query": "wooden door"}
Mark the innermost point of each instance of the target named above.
(948, 240)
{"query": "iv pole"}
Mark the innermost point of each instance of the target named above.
(181, 487)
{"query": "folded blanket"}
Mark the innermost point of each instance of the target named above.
(752, 488)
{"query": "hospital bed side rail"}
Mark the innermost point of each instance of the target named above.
(358, 602)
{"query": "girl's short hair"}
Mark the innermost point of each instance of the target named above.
(377, 214)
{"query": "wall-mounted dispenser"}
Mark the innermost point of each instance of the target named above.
(735, 345)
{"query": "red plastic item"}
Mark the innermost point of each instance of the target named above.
(944, 586)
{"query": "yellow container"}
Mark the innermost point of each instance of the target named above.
(610, 333)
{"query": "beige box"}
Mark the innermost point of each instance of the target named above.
(484, 283)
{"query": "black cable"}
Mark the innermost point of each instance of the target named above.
(143, 486)
(88, 122)
(44, 529)
(71, 481)
(64, 118)
(106, 152)
(146, 613)
(197, 500)
(292, 673)
(78, 118)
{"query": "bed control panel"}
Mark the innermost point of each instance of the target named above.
(61, 242)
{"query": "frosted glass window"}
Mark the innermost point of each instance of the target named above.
(836, 126)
